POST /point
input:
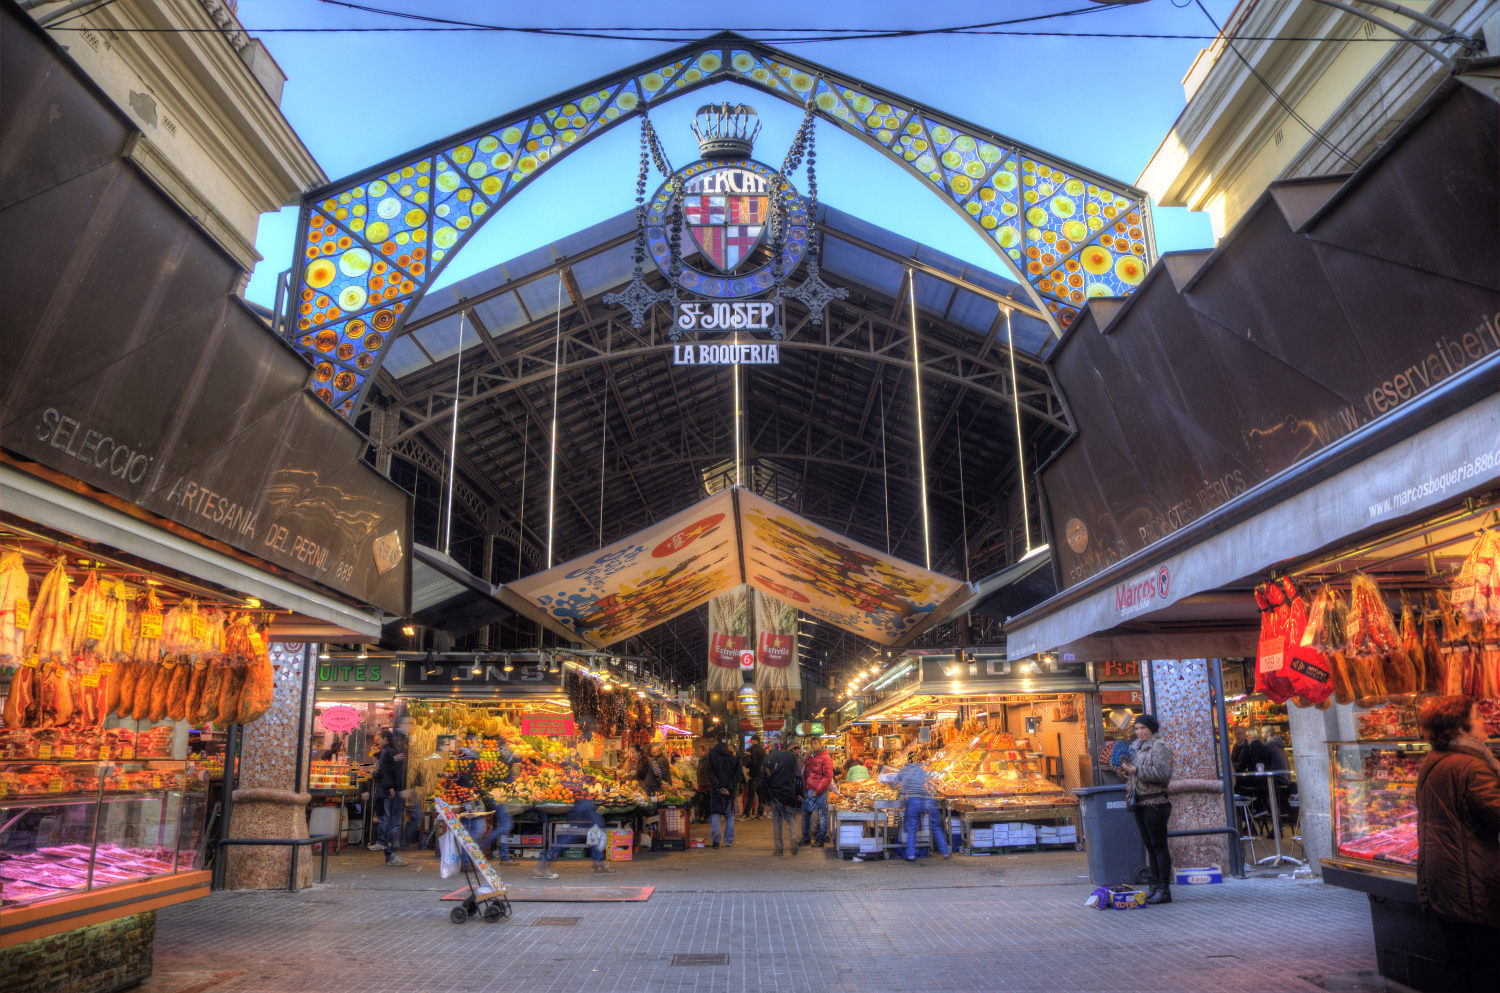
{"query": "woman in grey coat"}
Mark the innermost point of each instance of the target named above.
(1150, 771)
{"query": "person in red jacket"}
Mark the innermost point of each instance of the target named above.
(817, 777)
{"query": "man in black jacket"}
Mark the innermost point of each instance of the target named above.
(782, 792)
(723, 782)
(385, 790)
(755, 760)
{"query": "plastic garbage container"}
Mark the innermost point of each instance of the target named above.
(1115, 850)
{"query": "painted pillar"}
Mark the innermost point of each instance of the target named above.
(1185, 709)
(272, 799)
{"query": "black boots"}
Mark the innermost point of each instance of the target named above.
(1160, 893)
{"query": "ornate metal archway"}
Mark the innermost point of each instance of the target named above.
(369, 245)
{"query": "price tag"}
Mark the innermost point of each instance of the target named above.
(257, 643)
(95, 628)
(1271, 658)
(23, 614)
(200, 627)
(92, 679)
(44, 751)
(55, 784)
(32, 662)
(151, 625)
(105, 668)
(1462, 593)
(104, 753)
(155, 781)
(67, 751)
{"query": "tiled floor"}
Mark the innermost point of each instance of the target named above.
(795, 925)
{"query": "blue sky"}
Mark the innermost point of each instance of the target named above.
(358, 99)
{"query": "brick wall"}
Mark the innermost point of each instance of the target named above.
(99, 958)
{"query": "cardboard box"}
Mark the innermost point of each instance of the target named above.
(621, 836)
(870, 845)
(530, 839)
(619, 853)
(982, 838)
(1126, 898)
(1197, 877)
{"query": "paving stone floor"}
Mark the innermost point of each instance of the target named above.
(809, 923)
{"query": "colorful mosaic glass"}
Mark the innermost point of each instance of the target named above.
(370, 247)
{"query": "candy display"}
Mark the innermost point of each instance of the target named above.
(990, 764)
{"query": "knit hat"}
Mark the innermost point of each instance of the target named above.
(1149, 722)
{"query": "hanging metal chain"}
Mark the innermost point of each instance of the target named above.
(638, 297)
(813, 292)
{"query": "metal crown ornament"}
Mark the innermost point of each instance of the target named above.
(726, 131)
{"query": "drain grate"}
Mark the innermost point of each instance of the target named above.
(720, 958)
(555, 921)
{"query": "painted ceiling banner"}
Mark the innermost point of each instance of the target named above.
(691, 557)
(838, 580)
(645, 580)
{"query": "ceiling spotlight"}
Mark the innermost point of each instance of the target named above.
(408, 630)
(475, 670)
(509, 667)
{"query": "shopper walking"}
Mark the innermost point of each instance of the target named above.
(817, 777)
(1458, 856)
(385, 789)
(724, 778)
(781, 794)
(1149, 772)
(754, 759)
(915, 784)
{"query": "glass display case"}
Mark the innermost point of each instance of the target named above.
(1374, 801)
(72, 827)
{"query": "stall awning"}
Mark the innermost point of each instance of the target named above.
(324, 618)
(1333, 498)
(730, 538)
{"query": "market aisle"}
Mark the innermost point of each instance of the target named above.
(787, 925)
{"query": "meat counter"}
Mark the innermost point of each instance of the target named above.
(87, 841)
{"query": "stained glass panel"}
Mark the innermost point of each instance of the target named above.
(371, 248)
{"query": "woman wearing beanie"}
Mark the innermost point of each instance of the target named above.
(1149, 772)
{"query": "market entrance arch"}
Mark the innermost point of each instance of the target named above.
(370, 245)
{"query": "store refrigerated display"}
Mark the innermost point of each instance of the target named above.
(72, 829)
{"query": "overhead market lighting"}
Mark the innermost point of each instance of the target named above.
(408, 630)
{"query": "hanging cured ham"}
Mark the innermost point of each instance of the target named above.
(256, 694)
(1325, 635)
(15, 605)
(1476, 590)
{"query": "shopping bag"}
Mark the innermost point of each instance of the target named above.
(1305, 671)
(447, 855)
(596, 837)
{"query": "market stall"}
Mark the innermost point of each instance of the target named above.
(1008, 740)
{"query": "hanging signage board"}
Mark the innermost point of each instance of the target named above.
(448, 679)
(1118, 672)
(548, 724)
(340, 719)
(997, 674)
(349, 673)
(747, 661)
(1121, 697)
(751, 315)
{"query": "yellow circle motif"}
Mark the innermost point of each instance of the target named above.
(320, 272)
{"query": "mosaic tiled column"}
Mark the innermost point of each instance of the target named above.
(271, 801)
(1185, 708)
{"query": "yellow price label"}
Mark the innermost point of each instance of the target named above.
(23, 614)
(92, 679)
(67, 751)
(105, 668)
(55, 784)
(200, 627)
(44, 751)
(256, 643)
(151, 625)
(104, 754)
(32, 662)
(95, 627)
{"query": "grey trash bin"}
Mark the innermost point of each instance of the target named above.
(1116, 854)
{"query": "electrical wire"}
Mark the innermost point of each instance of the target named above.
(1272, 90)
(552, 476)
